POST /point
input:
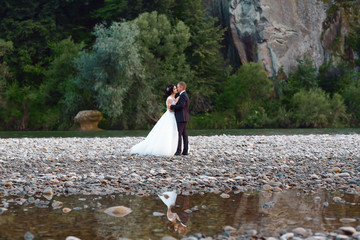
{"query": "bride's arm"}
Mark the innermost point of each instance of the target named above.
(177, 99)
(169, 103)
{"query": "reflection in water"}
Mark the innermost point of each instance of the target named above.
(177, 210)
(268, 213)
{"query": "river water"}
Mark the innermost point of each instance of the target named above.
(267, 213)
(192, 132)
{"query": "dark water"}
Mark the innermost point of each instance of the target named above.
(203, 132)
(268, 213)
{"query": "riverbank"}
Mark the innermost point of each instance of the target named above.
(219, 164)
(40, 171)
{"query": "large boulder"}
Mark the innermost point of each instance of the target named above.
(88, 120)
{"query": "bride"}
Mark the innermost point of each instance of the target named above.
(163, 138)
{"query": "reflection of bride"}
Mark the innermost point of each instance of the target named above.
(169, 198)
(163, 138)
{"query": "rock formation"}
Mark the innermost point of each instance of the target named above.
(88, 120)
(277, 32)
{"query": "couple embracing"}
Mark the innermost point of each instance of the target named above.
(168, 134)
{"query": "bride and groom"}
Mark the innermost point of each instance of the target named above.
(168, 134)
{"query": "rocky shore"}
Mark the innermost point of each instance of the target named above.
(223, 164)
(216, 164)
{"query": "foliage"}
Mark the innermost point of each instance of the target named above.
(351, 96)
(246, 90)
(327, 112)
(5, 74)
(304, 76)
(352, 41)
(111, 76)
(162, 46)
(19, 103)
(118, 10)
(333, 78)
(123, 67)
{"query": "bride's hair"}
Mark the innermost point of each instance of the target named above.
(169, 90)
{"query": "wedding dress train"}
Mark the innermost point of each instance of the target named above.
(162, 139)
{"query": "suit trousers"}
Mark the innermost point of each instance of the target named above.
(182, 136)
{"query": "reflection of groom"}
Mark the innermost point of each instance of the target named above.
(182, 117)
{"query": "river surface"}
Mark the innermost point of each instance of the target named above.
(267, 213)
(202, 132)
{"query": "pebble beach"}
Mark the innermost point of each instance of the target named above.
(223, 165)
(216, 164)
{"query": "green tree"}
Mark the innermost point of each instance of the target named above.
(118, 10)
(246, 91)
(351, 97)
(111, 76)
(162, 46)
(333, 78)
(5, 74)
(305, 75)
(203, 54)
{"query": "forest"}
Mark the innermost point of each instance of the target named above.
(58, 57)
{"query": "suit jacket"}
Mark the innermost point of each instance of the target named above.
(181, 108)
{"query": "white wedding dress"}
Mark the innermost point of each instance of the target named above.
(162, 139)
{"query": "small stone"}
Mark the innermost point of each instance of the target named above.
(337, 199)
(267, 187)
(168, 238)
(341, 237)
(72, 238)
(348, 230)
(158, 214)
(48, 191)
(68, 184)
(300, 231)
(344, 175)
(66, 210)
(347, 220)
(225, 195)
(229, 229)
(287, 236)
(28, 236)
(356, 235)
(2, 210)
(54, 181)
(314, 176)
(251, 232)
(118, 211)
(8, 184)
(336, 170)
(57, 204)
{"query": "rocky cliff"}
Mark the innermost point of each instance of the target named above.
(278, 32)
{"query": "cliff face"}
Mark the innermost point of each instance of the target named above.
(276, 32)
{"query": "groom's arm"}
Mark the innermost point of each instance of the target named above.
(180, 104)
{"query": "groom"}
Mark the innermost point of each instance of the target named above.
(182, 117)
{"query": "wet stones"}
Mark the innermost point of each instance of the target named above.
(118, 211)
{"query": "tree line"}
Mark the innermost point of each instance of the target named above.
(117, 56)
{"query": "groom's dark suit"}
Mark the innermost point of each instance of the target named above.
(182, 117)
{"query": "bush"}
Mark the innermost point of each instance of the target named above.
(246, 91)
(314, 108)
(351, 97)
(334, 79)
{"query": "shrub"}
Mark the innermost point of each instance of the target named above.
(351, 97)
(314, 108)
(246, 90)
